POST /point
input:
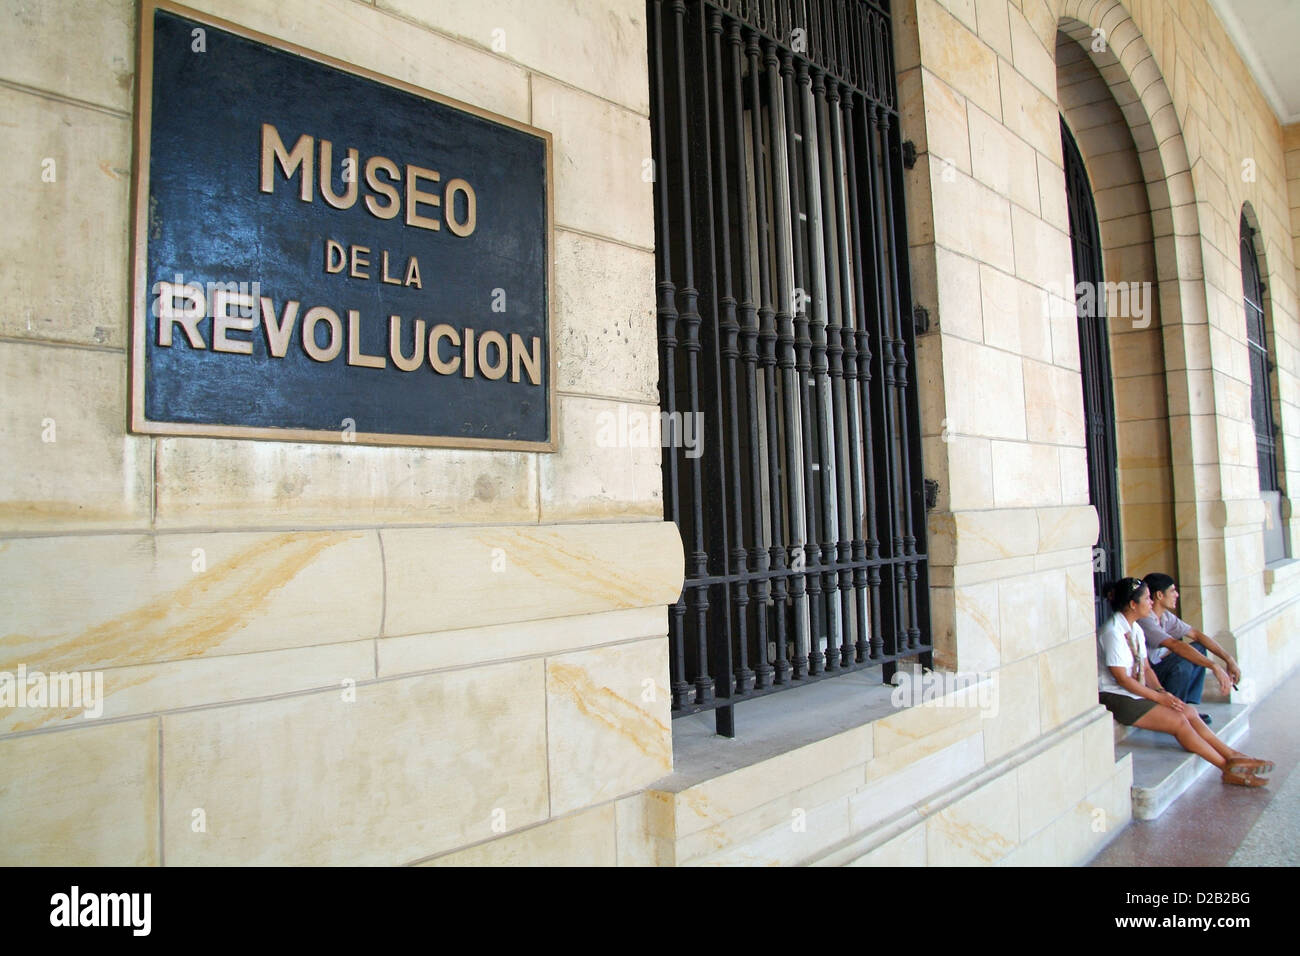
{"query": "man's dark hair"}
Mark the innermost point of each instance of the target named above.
(1158, 581)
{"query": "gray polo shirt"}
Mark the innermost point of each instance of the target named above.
(1156, 631)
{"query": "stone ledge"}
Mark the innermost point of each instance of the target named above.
(442, 579)
(861, 844)
(727, 798)
(1280, 574)
(773, 726)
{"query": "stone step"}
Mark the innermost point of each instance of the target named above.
(1162, 769)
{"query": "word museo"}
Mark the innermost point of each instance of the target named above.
(945, 690)
(385, 198)
(1121, 300)
(636, 428)
(77, 690)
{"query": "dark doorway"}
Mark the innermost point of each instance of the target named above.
(1094, 361)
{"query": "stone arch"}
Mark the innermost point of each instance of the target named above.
(1128, 67)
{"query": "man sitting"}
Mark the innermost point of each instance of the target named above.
(1180, 665)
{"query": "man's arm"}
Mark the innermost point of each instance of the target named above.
(1185, 650)
(1213, 647)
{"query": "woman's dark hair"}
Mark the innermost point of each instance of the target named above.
(1123, 592)
(1158, 581)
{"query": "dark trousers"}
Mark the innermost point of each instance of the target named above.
(1181, 677)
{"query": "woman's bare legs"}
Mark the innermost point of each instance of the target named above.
(1228, 752)
(1205, 745)
(1208, 736)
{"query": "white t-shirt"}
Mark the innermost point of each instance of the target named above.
(1116, 644)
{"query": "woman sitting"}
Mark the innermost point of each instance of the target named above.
(1129, 689)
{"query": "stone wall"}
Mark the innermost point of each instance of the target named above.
(982, 84)
(327, 653)
(315, 654)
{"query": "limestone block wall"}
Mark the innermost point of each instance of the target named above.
(313, 654)
(930, 785)
(1222, 132)
(1011, 536)
(327, 653)
(1002, 415)
(1291, 142)
(1033, 780)
(1002, 408)
(1207, 146)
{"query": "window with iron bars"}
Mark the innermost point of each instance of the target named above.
(1261, 368)
(1277, 545)
(783, 302)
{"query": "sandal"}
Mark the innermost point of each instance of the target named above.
(1244, 779)
(1251, 765)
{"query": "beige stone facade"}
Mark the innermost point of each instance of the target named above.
(317, 650)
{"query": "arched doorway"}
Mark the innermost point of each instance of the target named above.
(1130, 201)
(1094, 363)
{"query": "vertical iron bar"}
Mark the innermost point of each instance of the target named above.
(768, 321)
(816, 168)
(897, 574)
(666, 311)
(811, 553)
(758, 556)
(794, 444)
(729, 351)
(697, 564)
(865, 261)
(855, 359)
(883, 375)
(904, 345)
(842, 352)
(715, 504)
(800, 172)
(893, 156)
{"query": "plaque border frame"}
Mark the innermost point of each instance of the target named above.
(139, 422)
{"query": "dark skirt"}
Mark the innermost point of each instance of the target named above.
(1127, 710)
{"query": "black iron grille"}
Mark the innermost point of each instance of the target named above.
(784, 321)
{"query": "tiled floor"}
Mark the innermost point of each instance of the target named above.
(1214, 824)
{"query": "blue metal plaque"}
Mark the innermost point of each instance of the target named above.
(327, 255)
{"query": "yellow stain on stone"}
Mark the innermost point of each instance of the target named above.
(601, 704)
(988, 536)
(973, 610)
(185, 622)
(113, 684)
(23, 512)
(538, 550)
(697, 801)
(985, 843)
